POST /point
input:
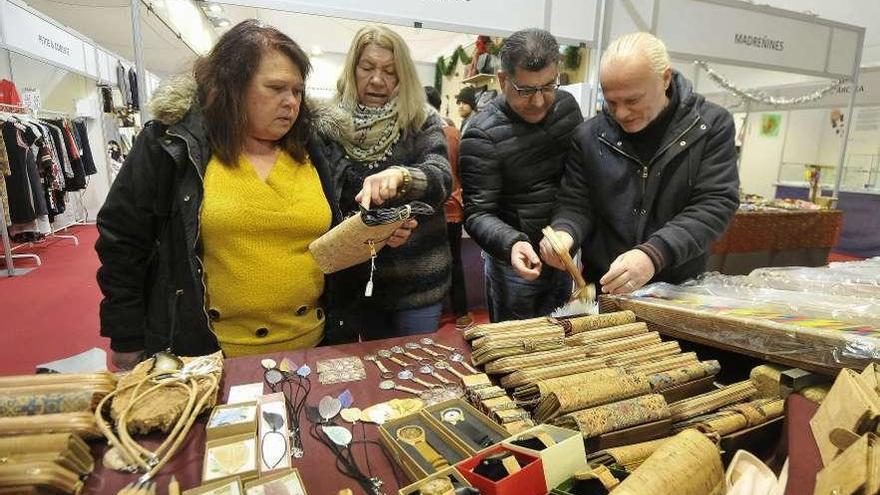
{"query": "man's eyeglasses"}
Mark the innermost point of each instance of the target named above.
(529, 91)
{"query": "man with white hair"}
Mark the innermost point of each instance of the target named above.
(652, 180)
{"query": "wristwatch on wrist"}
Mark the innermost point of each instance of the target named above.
(406, 181)
(415, 436)
(455, 417)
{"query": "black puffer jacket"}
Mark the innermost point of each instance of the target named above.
(672, 208)
(510, 172)
(149, 245)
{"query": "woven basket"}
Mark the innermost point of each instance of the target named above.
(664, 363)
(741, 416)
(616, 416)
(542, 388)
(589, 392)
(533, 375)
(628, 456)
(623, 345)
(546, 330)
(645, 354)
(610, 333)
(665, 380)
(478, 331)
(686, 464)
(536, 359)
(711, 401)
(578, 324)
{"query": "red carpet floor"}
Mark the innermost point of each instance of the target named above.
(52, 311)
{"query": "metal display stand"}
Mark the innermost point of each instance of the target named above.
(8, 257)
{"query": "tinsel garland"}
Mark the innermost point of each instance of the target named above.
(759, 96)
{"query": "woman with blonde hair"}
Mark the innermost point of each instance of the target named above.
(386, 148)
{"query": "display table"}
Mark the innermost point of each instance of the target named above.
(804, 458)
(860, 235)
(757, 239)
(317, 466)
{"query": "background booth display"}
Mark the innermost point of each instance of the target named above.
(69, 85)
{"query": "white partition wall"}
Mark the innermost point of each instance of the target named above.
(743, 34)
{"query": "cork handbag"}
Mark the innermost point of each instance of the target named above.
(360, 237)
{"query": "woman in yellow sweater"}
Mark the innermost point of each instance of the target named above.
(204, 235)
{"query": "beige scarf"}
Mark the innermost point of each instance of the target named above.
(374, 132)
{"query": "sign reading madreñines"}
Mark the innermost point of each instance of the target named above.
(758, 42)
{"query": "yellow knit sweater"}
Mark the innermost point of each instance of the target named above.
(262, 283)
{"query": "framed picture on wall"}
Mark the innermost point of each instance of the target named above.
(770, 123)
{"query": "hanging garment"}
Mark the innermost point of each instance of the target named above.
(9, 93)
(60, 149)
(4, 172)
(26, 198)
(107, 99)
(133, 87)
(88, 160)
(122, 82)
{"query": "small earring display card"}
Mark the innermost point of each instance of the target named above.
(233, 456)
(232, 419)
(274, 433)
(341, 370)
(286, 482)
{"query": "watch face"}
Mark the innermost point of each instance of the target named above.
(452, 415)
(410, 433)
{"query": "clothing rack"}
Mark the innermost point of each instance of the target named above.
(8, 248)
(8, 256)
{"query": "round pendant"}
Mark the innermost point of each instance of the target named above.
(387, 384)
(352, 414)
(329, 407)
(273, 447)
(338, 435)
(412, 345)
(405, 375)
(274, 376)
(426, 370)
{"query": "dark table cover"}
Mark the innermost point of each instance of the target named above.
(317, 466)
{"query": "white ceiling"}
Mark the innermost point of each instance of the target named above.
(334, 35)
(108, 23)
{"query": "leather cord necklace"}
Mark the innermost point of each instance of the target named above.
(194, 376)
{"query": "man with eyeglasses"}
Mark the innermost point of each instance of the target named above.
(652, 180)
(511, 162)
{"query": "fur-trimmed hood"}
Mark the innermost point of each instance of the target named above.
(173, 99)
